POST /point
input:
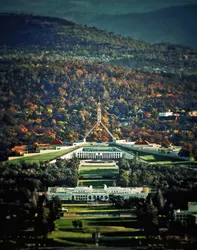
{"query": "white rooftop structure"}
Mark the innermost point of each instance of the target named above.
(182, 215)
(90, 194)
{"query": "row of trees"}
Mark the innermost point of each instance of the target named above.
(23, 200)
(153, 213)
(179, 183)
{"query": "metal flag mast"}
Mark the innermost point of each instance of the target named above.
(99, 123)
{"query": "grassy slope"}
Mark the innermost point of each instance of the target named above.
(43, 157)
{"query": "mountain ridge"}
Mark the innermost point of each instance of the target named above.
(153, 27)
(69, 39)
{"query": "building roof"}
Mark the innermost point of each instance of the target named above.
(141, 142)
(56, 142)
(193, 113)
(90, 189)
(19, 149)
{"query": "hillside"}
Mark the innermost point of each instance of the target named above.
(48, 90)
(173, 25)
(65, 39)
(42, 100)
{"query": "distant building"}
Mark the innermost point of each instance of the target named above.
(193, 113)
(44, 146)
(90, 194)
(141, 142)
(143, 113)
(165, 114)
(124, 123)
(168, 116)
(24, 149)
(182, 215)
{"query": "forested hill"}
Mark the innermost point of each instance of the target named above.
(42, 100)
(65, 39)
(53, 32)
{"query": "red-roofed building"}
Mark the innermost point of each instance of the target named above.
(141, 142)
(20, 149)
(57, 142)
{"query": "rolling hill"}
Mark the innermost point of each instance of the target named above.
(175, 25)
(67, 39)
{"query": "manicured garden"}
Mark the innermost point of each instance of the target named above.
(98, 175)
(112, 229)
(91, 171)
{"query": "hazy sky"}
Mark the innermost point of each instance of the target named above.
(61, 7)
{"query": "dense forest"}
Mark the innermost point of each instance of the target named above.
(43, 100)
(178, 183)
(25, 208)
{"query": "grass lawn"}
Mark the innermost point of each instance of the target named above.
(98, 175)
(156, 158)
(107, 226)
(94, 171)
(94, 223)
(163, 160)
(43, 157)
(91, 208)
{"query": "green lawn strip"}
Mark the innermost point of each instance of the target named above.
(88, 205)
(76, 210)
(148, 157)
(90, 172)
(79, 209)
(93, 223)
(43, 157)
(151, 156)
(155, 157)
(98, 172)
(187, 163)
(66, 233)
(163, 160)
(98, 165)
(62, 238)
(101, 167)
(69, 234)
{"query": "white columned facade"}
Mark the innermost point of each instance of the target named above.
(96, 154)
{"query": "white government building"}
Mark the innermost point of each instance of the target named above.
(182, 215)
(90, 194)
(99, 153)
